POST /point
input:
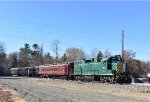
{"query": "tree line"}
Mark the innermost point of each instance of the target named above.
(33, 55)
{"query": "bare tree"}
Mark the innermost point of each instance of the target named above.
(134, 67)
(94, 52)
(147, 66)
(133, 64)
(55, 48)
(75, 54)
(107, 53)
(129, 55)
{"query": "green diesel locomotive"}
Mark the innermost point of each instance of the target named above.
(110, 69)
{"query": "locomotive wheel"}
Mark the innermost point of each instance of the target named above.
(82, 78)
(96, 78)
(72, 77)
(113, 81)
(114, 77)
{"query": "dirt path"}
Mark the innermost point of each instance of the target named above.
(44, 90)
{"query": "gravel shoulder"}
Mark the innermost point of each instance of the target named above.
(48, 90)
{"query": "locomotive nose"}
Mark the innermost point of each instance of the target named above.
(119, 70)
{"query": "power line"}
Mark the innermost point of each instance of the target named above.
(67, 35)
(64, 34)
(44, 25)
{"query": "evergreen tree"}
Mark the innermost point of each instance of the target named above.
(2, 60)
(48, 59)
(25, 56)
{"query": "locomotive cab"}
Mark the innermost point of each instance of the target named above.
(113, 61)
(115, 64)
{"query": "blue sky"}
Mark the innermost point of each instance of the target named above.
(83, 24)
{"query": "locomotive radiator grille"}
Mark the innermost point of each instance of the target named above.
(119, 70)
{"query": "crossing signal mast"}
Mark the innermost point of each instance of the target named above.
(123, 57)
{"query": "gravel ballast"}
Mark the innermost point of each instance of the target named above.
(49, 90)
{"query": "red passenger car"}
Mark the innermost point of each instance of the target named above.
(57, 70)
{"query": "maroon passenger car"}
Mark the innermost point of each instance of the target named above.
(55, 69)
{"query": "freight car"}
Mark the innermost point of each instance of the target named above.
(110, 69)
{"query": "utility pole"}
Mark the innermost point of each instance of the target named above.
(123, 57)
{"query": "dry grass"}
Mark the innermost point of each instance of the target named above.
(9, 95)
(18, 99)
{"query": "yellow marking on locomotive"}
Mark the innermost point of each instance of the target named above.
(119, 70)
